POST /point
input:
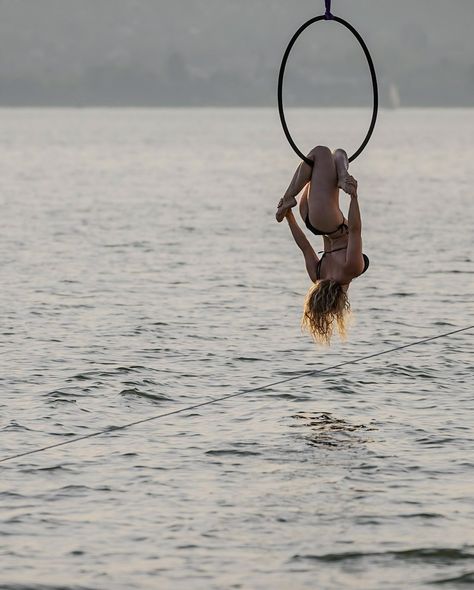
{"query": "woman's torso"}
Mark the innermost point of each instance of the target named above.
(332, 262)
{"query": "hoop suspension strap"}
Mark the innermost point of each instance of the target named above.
(328, 15)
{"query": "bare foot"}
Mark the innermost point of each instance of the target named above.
(348, 184)
(283, 206)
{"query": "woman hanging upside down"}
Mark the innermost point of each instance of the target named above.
(342, 260)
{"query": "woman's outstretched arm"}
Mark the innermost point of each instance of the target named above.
(310, 256)
(354, 259)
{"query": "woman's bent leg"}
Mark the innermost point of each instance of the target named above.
(324, 177)
(344, 180)
(323, 173)
(300, 179)
(323, 199)
(342, 162)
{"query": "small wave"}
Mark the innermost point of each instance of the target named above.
(435, 441)
(90, 375)
(16, 427)
(136, 392)
(66, 394)
(467, 579)
(11, 495)
(235, 452)
(456, 272)
(289, 396)
(421, 515)
(430, 554)
(248, 359)
(51, 469)
(134, 244)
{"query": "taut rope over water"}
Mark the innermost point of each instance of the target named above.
(231, 395)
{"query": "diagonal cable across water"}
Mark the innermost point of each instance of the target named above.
(232, 395)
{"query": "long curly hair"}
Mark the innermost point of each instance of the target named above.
(326, 305)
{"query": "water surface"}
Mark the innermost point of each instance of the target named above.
(142, 270)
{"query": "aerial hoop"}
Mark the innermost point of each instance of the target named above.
(329, 17)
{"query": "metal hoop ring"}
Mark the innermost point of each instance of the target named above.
(372, 74)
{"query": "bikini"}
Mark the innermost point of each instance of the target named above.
(318, 232)
(318, 266)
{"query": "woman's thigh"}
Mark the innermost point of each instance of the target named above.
(323, 194)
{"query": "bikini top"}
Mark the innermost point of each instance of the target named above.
(318, 266)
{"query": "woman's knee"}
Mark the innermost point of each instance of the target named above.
(321, 155)
(340, 155)
(320, 152)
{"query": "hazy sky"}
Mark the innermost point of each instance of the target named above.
(228, 52)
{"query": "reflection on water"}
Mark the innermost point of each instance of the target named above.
(321, 428)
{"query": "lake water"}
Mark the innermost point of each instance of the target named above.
(142, 271)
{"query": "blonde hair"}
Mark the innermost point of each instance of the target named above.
(326, 302)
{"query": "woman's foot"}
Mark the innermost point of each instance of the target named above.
(347, 183)
(284, 205)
